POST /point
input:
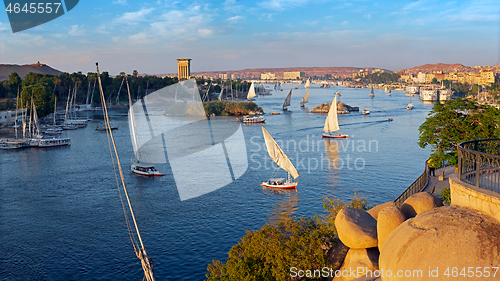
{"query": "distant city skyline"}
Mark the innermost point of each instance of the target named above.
(123, 35)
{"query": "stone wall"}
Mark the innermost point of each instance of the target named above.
(466, 195)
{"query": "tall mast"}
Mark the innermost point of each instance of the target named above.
(17, 105)
(147, 265)
(67, 104)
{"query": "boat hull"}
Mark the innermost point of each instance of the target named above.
(290, 185)
(145, 172)
(335, 136)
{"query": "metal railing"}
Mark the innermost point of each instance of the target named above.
(479, 163)
(415, 187)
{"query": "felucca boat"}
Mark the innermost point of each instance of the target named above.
(251, 93)
(138, 167)
(287, 100)
(305, 98)
(280, 158)
(332, 123)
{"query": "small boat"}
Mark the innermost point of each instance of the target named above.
(332, 123)
(409, 106)
(251, 93)
(280, 158)
(53, 131)
(287, 100)
(13, 144)
(253, 119)
(54, 142)
(137, 167)
(145, 170)
(103, 128)
(305, 98)
(389, 119)
(371, 95)
(365, 111)
(274, 113)
(308, 84)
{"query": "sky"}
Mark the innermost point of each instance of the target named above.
(124, 35)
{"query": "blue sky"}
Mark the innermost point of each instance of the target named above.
(149, 36)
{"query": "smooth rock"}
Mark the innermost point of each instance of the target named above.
(420, 202)
(356, 228)
(446, 237)
(388, 219)
(375, 210)
(358, 261)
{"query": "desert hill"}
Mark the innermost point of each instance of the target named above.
(23, 70)
(445, 68)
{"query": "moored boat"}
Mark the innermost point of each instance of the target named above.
(365, 111)
(53, 142)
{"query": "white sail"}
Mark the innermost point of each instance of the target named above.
(220, 95)
(331, 123)
(308, 84)
(287, 100)
(305, 98)
(251, 92)
(277, 155)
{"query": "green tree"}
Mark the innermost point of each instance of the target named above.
(269, 253)
(135, 73)
(454, 122)
(14, 83)
(42, 97)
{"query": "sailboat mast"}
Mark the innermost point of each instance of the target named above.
(17, 105)
(132, 121)
(141, 253)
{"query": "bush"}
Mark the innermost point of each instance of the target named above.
(269, 253)
(446, 195)
(333, 207)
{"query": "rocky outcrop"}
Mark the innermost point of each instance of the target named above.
(388, 219)
(420, 202)
(441, 239)
(375, 210)
(342, 108)
(359, 262)
(356, 228)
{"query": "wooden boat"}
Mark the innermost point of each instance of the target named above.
(332, 123)
(280, 158)
(13, 144)
(251, 93)
(305, 98)
(287, 100)
(365, 111)
(138, 168)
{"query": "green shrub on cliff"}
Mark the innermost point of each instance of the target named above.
(333, 207)
(269, 253)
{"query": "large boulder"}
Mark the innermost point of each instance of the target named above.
(420, 202)
(388, 219)
(375, 210)
(448, 238)
(357, 263)
(356, 228)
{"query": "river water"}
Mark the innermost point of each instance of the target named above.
(61, 216)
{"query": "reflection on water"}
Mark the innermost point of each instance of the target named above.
(332, 152)
(286, 207)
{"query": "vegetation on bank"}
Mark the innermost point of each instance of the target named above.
(270, 252)
(381, 78)
(454, 122)
(225, 108)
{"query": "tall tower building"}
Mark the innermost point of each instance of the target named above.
(183, 69)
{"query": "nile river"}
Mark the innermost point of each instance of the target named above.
(61, 216)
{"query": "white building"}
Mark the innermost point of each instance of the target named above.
(9, 116)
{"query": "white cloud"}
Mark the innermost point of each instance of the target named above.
(76, 31)
(188, 24)
(235, 19)
(120, 2)
(3, 26)
(344, 23)
(135, 17)
(367, 16)
(282, 4)
(311, 23)
(232, 6)
(140, 38)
